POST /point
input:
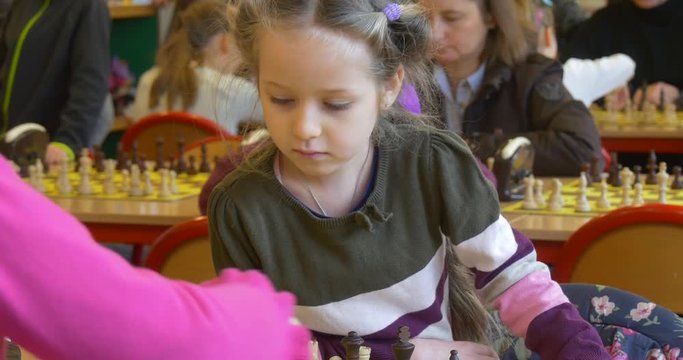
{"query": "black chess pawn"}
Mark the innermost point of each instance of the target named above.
(637, 169)
(402, 348)
(643, 98)
(99, 158)
(586, 169)
(352, 343)
(677, 182)
(142, 163)
(181, 166)
(596, 172)
(615, 176)
(192, 167)
(171, 163)
(204, 166)
(160, 154)
(652, 168)
(454, 355)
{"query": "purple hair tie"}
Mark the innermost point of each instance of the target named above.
(392, 11)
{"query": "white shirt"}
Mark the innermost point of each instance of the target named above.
(457, 102)
(222, 97)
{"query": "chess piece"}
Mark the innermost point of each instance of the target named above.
(63, 183)
(636, 174)
(662, 195)
(670, 116)
(615, 175)
(638, 197)
(125, 180)
(538, 193)
(603, 201)
(596, 172)
(352, 343)
(677, 182)
(454, 355)
(402, 348)
(99, 158)
(651, 167)
(626, 194)
(134, 158)
(364, 353)
(181, 167)
(556, 201)
(627, 177)
(85, 165)
(586, 168)
(582, 204)
(192, 166)
(160, 154)
(204, 166)
(147, 188)
(135, 183)
(142, 163)
(529, 198)
(164, 190)
(172, 186)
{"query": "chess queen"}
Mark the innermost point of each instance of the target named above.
(371, 218)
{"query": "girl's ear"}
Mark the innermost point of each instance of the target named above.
(392, 87)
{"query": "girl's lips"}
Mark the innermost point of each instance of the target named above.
(309, 154)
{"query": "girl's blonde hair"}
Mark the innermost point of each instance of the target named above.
(513, 38)
(404, 42)
(198, 24)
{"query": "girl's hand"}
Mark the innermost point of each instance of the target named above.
(429, 349)
(654, 94)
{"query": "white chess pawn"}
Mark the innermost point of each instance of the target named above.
(529, 198)
(555, 202)
(125, 180)
(603, 201)
(135, 184)
(626, 194)
(84, 187)
(147, 188)
(582, 204)
(63, 184)
(538, 193)
(662, 195)
(638, 197)
(662, 177)
(172, 182)
(164, 191)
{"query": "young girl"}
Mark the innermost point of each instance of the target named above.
(353, 205)
(490, 77)
(63, 296)
(194, 71)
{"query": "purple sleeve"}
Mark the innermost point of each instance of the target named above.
(561, 333)
(64, 296)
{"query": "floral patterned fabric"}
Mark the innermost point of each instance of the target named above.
(631, 327)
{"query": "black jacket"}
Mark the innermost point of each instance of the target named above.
(62, 70)
(529, 100)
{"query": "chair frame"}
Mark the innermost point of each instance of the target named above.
(584, 237)
(150, 120)
(173, 238)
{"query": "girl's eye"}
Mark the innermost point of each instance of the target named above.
(280, 101)
(338, 106)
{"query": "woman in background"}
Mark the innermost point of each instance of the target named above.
(195, 71)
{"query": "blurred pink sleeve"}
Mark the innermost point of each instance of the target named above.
(64, 296)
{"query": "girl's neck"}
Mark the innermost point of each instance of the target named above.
(333, 195)
(221, 63)
(459, 71)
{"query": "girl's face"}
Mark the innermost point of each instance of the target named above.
(648, 4)
(458, 29)
(320, 101)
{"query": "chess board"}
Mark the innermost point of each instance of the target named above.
(638, 120)
(570, 190)
(188, 185)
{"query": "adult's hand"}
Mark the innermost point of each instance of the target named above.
(657, 92)
(55, 155)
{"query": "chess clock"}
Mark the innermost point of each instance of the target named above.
(24, 144)
(514, 160)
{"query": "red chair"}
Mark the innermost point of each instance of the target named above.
(169, 126)
(183, 252)
(637, 249)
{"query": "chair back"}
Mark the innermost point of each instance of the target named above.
(183, 252)
(171, 127)
(637, 249)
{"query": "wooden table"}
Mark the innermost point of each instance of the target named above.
(131, 222)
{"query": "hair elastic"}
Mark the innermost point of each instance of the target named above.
(392, 11)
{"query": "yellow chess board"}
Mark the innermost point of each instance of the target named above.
(614, 194)
(187, 185)
(638, 119)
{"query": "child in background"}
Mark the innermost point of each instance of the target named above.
(490, 77)
(194, 71)
(354, 204)
(66, 297)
